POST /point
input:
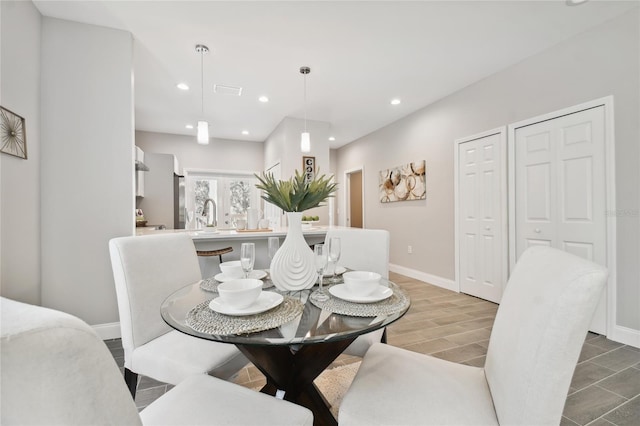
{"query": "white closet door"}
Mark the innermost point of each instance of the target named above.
(560, 197)
(481, 256)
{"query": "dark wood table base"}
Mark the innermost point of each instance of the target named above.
(292, 369)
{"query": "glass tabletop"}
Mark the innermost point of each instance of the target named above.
(313, 325)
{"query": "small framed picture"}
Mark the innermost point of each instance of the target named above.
(309, 168)
(13, 134)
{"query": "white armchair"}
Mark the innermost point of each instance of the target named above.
(56, 371)
(363, 250)
(146, 270)
(534, 347)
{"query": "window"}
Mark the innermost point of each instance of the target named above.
(233, 194)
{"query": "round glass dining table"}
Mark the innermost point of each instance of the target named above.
(290, 355)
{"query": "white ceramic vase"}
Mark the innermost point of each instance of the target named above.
(293, 266)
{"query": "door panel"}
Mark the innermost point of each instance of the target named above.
(560, 195)
(481, 257)
(538, 193)
(577, 194)
(355, 200)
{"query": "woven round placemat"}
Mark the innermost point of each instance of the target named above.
(204, 320)
(392, 305)
(211, 284)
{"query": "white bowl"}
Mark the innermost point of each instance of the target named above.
(361, 283)
(240, 293)
(232, 269)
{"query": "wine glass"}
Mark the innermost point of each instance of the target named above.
(273, 246)
(320, 254)
(334, 256)
(247, 257)
(189, 219)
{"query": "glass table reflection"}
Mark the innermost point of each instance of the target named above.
(292, 355)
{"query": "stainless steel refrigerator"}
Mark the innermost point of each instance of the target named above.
(178, 202)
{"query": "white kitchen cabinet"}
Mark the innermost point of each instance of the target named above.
(140, 166)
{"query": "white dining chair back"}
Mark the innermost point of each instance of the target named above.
(57, 371)
(146, 271)
(363, 250)
(538, 334)
(535, 344)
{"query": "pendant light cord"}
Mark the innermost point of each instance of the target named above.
(305, 102)
(202, 83)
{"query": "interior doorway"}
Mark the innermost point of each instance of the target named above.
(354, 198)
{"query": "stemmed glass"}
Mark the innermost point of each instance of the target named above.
(247, 257)
(320, 254)
(273, 246)
(334, 256)
(189, 219)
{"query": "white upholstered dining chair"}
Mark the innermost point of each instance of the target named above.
(363, 250)
(56, 371)
(146, 270)
(535, 343)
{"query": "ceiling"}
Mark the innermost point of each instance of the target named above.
(361, 55)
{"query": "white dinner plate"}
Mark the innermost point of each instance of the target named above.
(341, 292)
(339, 271)
(256, 274)
(267, 300)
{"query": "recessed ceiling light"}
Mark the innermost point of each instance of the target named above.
(182, 86)
(245, 132)
(263, 99)
(395, 101)
(575, 2)
(331, 138)
(189, 126)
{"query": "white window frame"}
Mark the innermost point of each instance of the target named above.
(191, 175)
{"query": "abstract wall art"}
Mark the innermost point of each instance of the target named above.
(403, 183)
(13, 134)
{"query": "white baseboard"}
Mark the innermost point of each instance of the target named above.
(107, 331)
(625, 335)
(423, 276)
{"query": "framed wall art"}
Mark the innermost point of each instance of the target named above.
(13, 134)
(403, 183)
(309, 168)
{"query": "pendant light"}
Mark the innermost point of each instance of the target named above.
(305, 139)
(203, 126)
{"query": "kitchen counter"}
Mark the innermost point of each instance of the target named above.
(225, 234)
(222, 238)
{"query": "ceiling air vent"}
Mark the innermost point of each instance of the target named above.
(227, 90)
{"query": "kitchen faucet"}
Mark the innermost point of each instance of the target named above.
(210, 213)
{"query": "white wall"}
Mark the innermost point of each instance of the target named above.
(603, 61)
(220, 154)
(283, 145)
(86, 163)
(334, 202)
(157, 203)
(20, 179)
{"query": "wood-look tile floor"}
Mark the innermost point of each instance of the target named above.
(605, 389)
